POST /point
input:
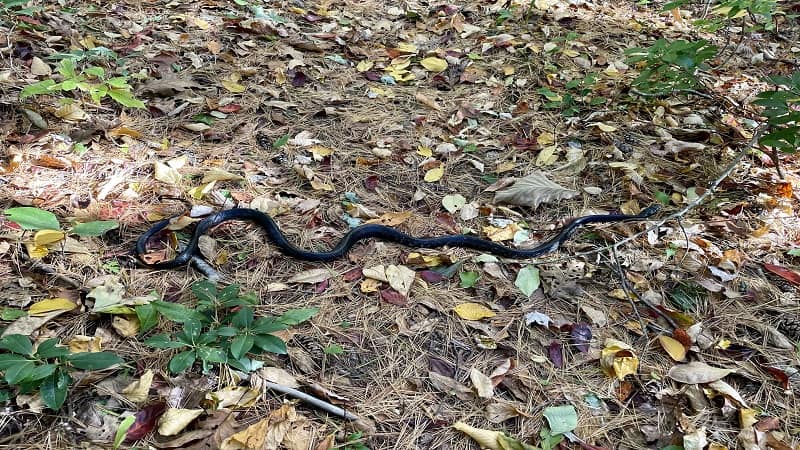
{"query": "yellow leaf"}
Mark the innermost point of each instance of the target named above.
(605, 127)
(424, 151)
(81, 344)
(174, 420)
(70, 112)
(484, 438)
(36, 252)
(625, 365)
(547, 156)
(47, 237)
(435, 174)
(501, 234)
(473, 311)
(673, 347)
(214, 47)
(320, 185)
(617, 359)
(200, 23)
(505, 167)
(571, 53)
(407, 47)
(320, 152)
(137, 392)
(418, 259)
(217, 174)
(364, 66)
(234, 396)
(433, 64)
(543, 4)
(167, 174)
(232, 83)
(126, 326)
(198, 192)
(546, 138)
(369, 285)
(50, 305)
(723, 344)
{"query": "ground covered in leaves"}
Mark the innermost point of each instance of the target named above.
(503, 120)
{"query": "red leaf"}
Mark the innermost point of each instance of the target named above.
(371, 183)
(352, 274)
(229, 108)
(768, 424)
(299, 79)
(145, 421)
(447, 221)
(788, 275)
(581, 335)
(391, 296)
(431, 277)
(779, 375)
(556, 355)
(322, 286)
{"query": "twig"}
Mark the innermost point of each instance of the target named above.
(712, 188)
(629, 290)
(321, 404)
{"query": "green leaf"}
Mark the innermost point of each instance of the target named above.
(17, 343)
(270, 343)
(162, 341)
(94, 361)
(266, 325)
(19, 372)
(527, 280)
(54, 389)
(67, 68)
(95, 228)
(205, 291)
(148, 317)
(182, 361)
(42, 87)
(468, 279)
(43, 371)
(177, 312)
(31, 218)
(51, 349)
(242, 318)
(662, 197)
(281, 141)
(125, 98)
(122, 430)
(70, 84)
(12, 314)
(119, 83)
(241, 345)
(211, 354)
(4, 396)
(297, 316)
(333, 349)
(561, 419)
(8, 360)
(794, 252)
(95, 71)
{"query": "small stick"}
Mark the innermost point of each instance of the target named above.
(321, 404)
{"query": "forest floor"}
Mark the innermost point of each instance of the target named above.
(422, 116)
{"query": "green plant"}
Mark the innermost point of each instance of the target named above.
(92, 80)
(222, 329)
(549, 440)
(18, 8)
(355, 441)
(669, 66)
(46, 369)
(762, 12)
(782, 110)
(578, 96)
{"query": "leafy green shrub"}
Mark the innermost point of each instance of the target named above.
(222, 329)
(18, 8)
(47, 369)
(669, 66)
(579, 95)
(782, 110)
(727, 10)
(92, 80)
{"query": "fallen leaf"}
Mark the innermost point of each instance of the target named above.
(532, 191)
(617, 359)
(137, 392)
(400, 278)
(697, 372)
(450, 386)
(528, 280)
(673, 347)
(45, 307)
(561, 419)
(433, 64)
(311, 276)
(499, 412)
(174, 420)
(392, 219)
(434, 174)
(473, 311)
(483, 384)
(145, 421)
(232, 397)
(166, 174)
(39, 67)
(486, 439)
(84, 344)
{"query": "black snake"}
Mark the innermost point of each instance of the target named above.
(370, 231)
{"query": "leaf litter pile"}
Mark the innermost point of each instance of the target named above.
(502, 120)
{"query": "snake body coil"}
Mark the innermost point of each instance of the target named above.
(370, 231)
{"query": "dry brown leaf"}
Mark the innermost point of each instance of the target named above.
(697, 372)
(532, 191)
(483, 384)
(174, 420)
(450, 386)
(311, 276)
(138, 391)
